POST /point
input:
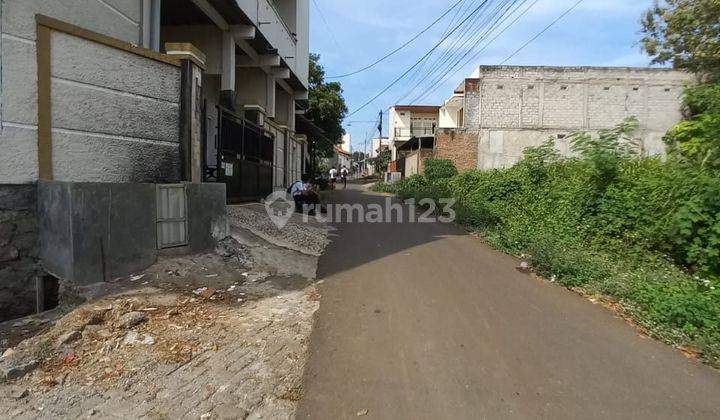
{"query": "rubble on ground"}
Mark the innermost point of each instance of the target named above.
(196, 336)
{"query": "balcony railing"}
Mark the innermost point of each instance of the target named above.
(274, 7)
(415, 131)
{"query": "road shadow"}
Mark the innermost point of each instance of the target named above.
(355, 242)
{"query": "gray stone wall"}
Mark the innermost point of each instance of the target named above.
(18, 250)
(514, 107)
(95, 232)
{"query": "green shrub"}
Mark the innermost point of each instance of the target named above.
(412, 186)
(437, 169)
(697, 140)
(702, 99)
(384, 187)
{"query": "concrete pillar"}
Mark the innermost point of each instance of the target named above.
(227, 88)
(271, 86)
(191, 110)
(150, 37)
(291, 113)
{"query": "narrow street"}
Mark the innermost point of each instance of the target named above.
(422, 321)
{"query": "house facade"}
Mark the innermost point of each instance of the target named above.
(408, 121)
(254, 84)
(378, 144)
(340, 158)
(490, 120)
(113, 112)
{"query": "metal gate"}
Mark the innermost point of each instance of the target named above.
(171, 216)
(245, 158)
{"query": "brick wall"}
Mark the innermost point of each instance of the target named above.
(459, 146)
(18, 250)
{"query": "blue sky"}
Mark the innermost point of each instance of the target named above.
(596, 33)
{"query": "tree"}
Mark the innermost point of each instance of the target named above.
(327, 105)
(685, 33)
(382, 160)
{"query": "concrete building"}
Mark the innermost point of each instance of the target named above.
(256, 77)
(490, 120)
(340, 158)
(346, 143)
(408, 121)
(378, 144)
(113, 112)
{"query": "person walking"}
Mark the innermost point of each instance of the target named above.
(343, 175)
(333, 177)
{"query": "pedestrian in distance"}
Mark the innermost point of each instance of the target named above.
(344, 175)
(333, 177)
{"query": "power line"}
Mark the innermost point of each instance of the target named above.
(458, 12)
(446, 61)
(438, 81)
(449, 50)
(542, 32)
(475, 56)
(330, 31)
(393, 52)
(502, 31)
(418, 62)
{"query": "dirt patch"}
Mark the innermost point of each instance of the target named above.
(204, 335)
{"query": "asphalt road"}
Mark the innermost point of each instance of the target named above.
(422, 321)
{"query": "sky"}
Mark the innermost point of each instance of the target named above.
(350, 34)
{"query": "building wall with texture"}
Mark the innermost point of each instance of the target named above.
(114, 118)
(460, 146)
(119, 19)
(115, 115)
(513, 108)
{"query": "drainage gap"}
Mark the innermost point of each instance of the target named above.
(47, 291)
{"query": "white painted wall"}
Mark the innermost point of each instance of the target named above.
(347, 142)
(377, 142)
(294, 53)
(450, 112)
(115, 115)
(120, 19)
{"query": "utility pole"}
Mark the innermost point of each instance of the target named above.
(380, 125)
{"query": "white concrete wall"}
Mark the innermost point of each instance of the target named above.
(517, 107)
(295, 53)
(398, 119)
(377, 142)
(302, 52)
(120, 19)
(115, 115)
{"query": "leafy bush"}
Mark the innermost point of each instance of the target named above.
(702, 99)
(437, 169)
(697, 140)
(411, 186)
(384, 187)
